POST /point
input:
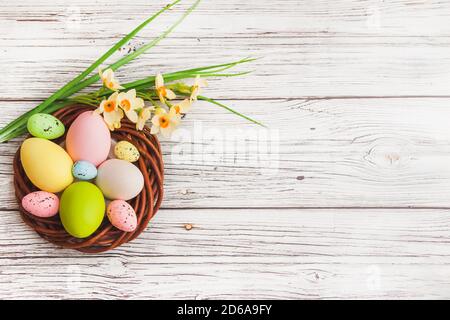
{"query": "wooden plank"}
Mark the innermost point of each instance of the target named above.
(243, 254)
(30, 20)
(356, 48)
(321, 153)
(289, 68)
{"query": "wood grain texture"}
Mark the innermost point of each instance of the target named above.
(356, 97)
(320, 153)
(243, 254)
(307, 50)
(288, 68)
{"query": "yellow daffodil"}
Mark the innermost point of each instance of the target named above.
(129, 104)
(143, 117)
(162, 92)
(111, 112)
(165, 122)
(183, 107)
(109, 79)
(199, 83)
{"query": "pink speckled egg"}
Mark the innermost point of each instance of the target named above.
(41, 204)
(122, 216)
(88, 139)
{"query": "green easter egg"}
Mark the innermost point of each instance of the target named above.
(82, 209)
(46, 126)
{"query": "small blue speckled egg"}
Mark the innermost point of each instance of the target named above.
(84, 170)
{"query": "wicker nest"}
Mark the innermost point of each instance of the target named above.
(145, 204)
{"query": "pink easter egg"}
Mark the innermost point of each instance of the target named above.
(41, 204)
(88, 139)
(122, 216)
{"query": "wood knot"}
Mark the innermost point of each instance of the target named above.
(389, 153)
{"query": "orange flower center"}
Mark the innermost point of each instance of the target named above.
(110, 106)
(162, 91)
(177, 109)
(125, 104)
(110, 85)
(163, 122)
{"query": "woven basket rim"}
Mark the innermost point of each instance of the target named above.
(146, 204)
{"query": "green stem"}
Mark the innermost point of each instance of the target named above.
(66, 88)
(135, 54)
(229, 109)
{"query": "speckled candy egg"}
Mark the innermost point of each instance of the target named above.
(84, 170)
(46, 126)
(119, 179)
(124, 150)
(122, 216)
(41, 204)
(88, 138)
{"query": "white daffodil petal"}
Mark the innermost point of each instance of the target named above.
(154, 130)
(138, 103)
(131, 93)
(132, 116)
(100, 109)
(185, 105)
(159, 81)
(160, 111)
(167, 132)
(155, 120)
(170, 94)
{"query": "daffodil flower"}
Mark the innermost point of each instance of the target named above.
(165, 122)
(199, 83)
(183, 107)
(161, 90)
(111, 112)
(129, 104)
(144, 115)
(109, 79)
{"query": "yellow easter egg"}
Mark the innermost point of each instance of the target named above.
(46, 164)
(124, 150)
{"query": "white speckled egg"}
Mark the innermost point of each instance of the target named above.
(41, 204)
(124, 150)
(122, 216)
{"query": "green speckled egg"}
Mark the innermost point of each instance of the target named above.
(82, 209)
(124, 150)
(45, 126)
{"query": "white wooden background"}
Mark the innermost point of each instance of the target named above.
(356, 91)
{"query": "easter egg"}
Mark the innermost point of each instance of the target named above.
(88, 138)
(124, 150)
(84, 170)
(119, 179)
(122, 216)
(46, 126)
(41, 204)
(46, 164)
(82, 208)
